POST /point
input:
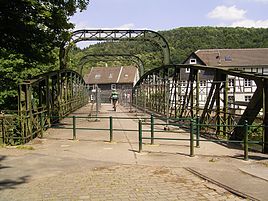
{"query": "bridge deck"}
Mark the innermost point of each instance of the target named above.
(91, 168)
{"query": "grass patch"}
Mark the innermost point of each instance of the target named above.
(25, 147)
(213, 160)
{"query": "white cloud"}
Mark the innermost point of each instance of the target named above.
(227, 13)
(251, 23)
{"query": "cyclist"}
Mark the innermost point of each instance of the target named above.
(114, 97)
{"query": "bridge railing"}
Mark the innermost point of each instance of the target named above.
(55, 93)
(190, 128)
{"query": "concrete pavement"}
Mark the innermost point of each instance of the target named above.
(91, 168)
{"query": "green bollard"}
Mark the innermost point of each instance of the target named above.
(197, 132)
(111, 128)
(191, 139)
(246, 141)
(74, 128)
(140, 135)
(152, 129)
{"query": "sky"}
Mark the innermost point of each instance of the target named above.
(169, 14)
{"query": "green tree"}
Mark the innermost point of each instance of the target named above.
(31, 30)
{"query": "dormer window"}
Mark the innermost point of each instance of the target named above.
(192, 61)
(97, 76)
(228, 58)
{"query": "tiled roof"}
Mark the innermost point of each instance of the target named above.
(128, 74)
(234, 57)
(110, 75)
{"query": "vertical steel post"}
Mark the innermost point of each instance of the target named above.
(41, 125)
(197, 131)
(191, 94)
(30, 119)
(111, 128)
(144, 90)
(167, 88)
(74, 127)
(191, 139)
(197, 93)
(218, 107)
(265, 119)
(246, 140)
(3, 130)
(152, 129)
(140, 136)
(225, 107)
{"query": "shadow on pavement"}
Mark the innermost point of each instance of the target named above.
(252, 157)
(10, 183)
(1, 159)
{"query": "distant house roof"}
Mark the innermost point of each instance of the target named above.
(111, 75)
(234, 57)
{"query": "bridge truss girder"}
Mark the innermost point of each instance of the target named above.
(47, 98)
(114, 35)
(112, 57)
(166, 92)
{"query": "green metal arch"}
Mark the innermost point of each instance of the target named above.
(112, 57)
(114, 35)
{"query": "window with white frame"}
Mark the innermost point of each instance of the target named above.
(183, 83)
(247, 98)
(231, 82)
(192, 61)
(187, 70)
(203, 83)
(247, 83)
(113, 86)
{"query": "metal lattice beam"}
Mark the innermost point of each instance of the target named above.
(114, 35)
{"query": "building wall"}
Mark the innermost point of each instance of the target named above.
(239, 90)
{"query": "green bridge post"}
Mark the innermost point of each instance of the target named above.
(197, 131)
(152, 129)
(111, 128)
(246, 141)
(74, 127)
(140, 136)
(191, 139)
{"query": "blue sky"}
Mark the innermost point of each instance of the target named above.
(169, 14)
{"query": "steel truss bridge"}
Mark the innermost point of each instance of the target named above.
(163, 91)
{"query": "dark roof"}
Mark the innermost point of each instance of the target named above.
(111, 75)
(234, 57)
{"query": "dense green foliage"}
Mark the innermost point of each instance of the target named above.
(31, 31)
(182, 42)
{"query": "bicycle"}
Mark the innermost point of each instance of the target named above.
(114, 103)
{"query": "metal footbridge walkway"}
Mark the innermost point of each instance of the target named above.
(163, 91)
